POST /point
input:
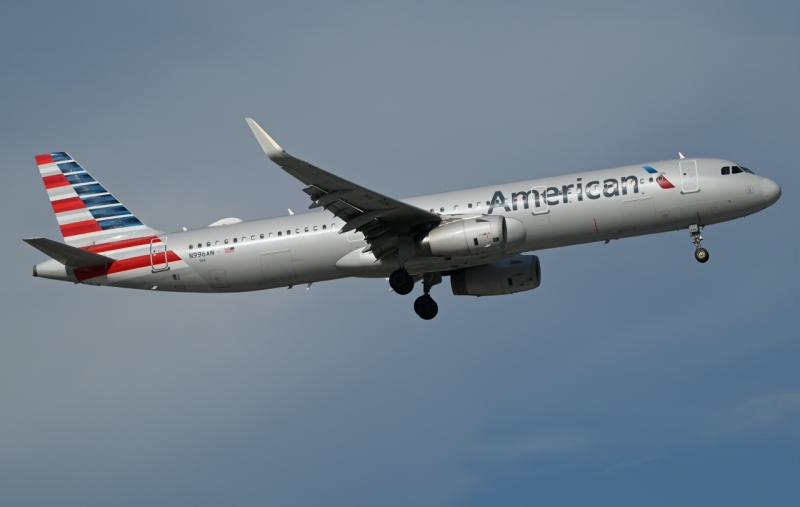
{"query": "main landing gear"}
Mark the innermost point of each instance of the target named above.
(700, 253)
(403, 283)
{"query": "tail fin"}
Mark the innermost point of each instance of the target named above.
(87, 213)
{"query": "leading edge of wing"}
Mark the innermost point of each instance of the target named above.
(327, 189)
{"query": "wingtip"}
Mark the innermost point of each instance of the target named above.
(268, 144)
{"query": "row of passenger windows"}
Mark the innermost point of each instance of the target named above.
(270, 235)
(735, 170)
(469, 205)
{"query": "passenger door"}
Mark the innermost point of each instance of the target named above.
(158, 255)
(689, 179)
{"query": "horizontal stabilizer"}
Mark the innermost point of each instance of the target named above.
(68, 255)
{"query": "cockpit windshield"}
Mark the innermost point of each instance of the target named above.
(735, 170)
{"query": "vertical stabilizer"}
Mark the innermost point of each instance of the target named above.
(87, 213)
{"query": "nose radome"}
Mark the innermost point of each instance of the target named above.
(772, 191)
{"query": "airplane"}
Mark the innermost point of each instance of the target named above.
(477, 237)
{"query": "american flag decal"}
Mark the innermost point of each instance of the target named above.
(229, 250)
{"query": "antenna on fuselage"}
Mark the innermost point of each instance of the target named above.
(681, 155)
(290, 211)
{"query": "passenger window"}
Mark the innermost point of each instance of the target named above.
(726, 170)
(288, 232)
(226, 241)
(199, 245)
(469, 205)
(191, 246)
(235, 240)
(253, 237)
(324, 227)
(306, 229)
(279, 233)
(431, 210)
(441, 210)
(262, 236)
(297, 231)
(333, 226)
(478, 205)
(315, 227)
(208, 244)
(270, 235)
(217, 242)
(488, 203)
(455, 208)
(736, 169)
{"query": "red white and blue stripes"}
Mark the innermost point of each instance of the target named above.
(87, 213)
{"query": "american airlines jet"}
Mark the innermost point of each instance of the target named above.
(476, 237)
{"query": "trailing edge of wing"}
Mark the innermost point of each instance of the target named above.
(67, 255)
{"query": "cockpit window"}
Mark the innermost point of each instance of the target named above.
(747, 170)
(736, 169)
(726, 170)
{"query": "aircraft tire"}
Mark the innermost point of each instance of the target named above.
(401, 282)
(426, 307)
(701, 254)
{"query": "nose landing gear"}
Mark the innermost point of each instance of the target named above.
(700, 253)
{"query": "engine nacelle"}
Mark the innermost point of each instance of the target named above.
(508, 276)
(474, 236)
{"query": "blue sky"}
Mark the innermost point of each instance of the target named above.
(632, 376)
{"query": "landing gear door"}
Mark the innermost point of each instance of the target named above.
(158, 254)
(538, 200)
(689, 180)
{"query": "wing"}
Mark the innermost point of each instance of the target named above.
(382, 219)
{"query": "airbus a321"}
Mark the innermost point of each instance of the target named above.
(475, 237)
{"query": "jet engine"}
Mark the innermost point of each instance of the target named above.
(473, 236)
(517, 274)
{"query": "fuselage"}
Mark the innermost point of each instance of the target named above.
(555, 211)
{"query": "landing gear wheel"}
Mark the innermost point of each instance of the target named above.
(401, 282)
(426, 307)
(701, 254)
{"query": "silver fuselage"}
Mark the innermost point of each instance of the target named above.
(573, 209)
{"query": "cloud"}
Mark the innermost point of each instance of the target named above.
(763, 413)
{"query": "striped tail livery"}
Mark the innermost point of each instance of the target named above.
(87, 213)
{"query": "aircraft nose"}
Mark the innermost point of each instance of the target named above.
(772, 191)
